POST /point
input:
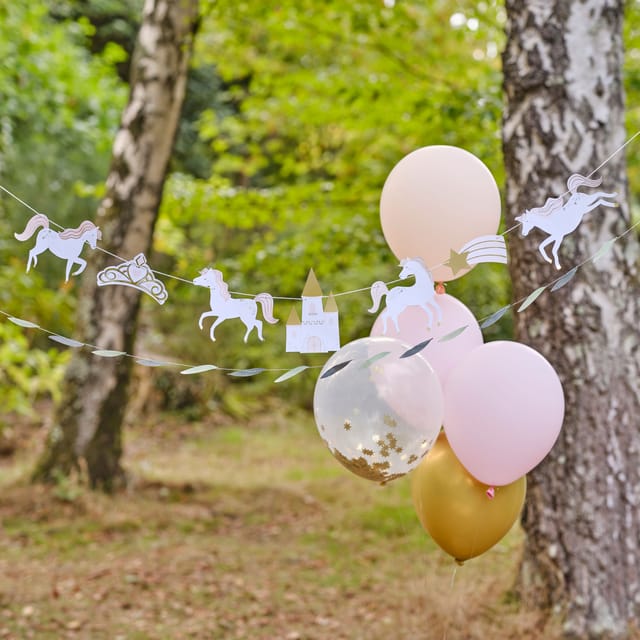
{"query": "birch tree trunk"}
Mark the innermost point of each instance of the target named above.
(86, 430)
(565, 114)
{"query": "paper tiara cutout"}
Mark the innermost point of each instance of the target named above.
(135, 273)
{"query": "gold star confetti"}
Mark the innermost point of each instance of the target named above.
(390, 422)
(347, 425)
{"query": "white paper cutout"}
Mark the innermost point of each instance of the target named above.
(135, 273)
(66, 244)
(558, 219)
(421, 294)
(319, 329)
(226, 307)
(485, 249)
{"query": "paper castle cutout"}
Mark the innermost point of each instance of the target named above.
(319, 329)
(226, 307)
(421, 294)
(558, 219)
(481, 249)
(66, 244)
(135, 273)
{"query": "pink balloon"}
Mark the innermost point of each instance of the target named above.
(504, 408)
(414, 328)
(435, 200)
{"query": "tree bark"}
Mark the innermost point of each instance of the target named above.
(564, 114)
(86, 430)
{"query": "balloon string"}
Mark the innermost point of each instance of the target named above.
(452, 610)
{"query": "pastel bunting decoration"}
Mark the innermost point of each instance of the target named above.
(135, 273)
(66, 244)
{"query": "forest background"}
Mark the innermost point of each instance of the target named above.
(295, 114)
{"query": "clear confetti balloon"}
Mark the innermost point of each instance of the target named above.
(379, 413)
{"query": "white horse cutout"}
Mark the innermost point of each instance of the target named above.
(558, 219)
(65, 244)
(225, 307)
(421, 294)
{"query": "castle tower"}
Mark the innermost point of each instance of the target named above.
(311, 298)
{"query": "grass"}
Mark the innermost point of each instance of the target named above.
(237, 532)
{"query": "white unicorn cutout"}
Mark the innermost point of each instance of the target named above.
(65, 244)
(558, 219)
(226, 307)
(421, 294)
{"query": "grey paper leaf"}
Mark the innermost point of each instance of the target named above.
(108, 353)
(494, 317)
(604, 249)
(338, 367)
(566, 278)
(291, 373)
(416, 349)
(23, 323)
(453, 334)
(146, 362)
(67, 342)
(532, 297)
(369, 361)
(246, 373)
(199, 369)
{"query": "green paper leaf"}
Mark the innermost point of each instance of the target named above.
(291, 373)
(108, 353)
(531, 298)
(416, 349)
(604, 249)
(338, 367)
(369, 361)
(246, 373)
(566, 278)
(494, 317)
(23, 323)
(67, 342)
(199, 369)
(453, 334)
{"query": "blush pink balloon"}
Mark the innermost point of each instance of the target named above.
(435, 200)
(413, 323)
(504, 407)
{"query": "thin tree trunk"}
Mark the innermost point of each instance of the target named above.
(87, 422)
(565, 114)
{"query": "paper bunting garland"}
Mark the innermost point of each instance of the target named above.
(225, 307)
(135, 273)
(319, 329)
(490, 248)
(421, 294)
(559, 219)
(66, 244)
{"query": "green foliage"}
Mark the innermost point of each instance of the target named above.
(27, 374)
(317, 102)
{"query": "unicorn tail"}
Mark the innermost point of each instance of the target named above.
(266, 302)
(378, 290)
(39, 220)
(576, 180)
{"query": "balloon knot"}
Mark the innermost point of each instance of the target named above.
(491, 492)
(440, 288)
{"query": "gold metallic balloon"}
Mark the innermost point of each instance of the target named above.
(463, 516)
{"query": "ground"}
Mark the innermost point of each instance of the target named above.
(236, 531)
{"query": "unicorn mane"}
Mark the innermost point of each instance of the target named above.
(222, 285)
(551, 205)
(78, 232)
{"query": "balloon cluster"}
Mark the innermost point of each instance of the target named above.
(471, 418)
